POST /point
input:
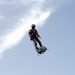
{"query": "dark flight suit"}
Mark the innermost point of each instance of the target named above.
(34, 37)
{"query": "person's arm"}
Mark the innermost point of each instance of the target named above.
(30, 34)
(37, 33)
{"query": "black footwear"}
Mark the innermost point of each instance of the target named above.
(40, 52)
(37, 48)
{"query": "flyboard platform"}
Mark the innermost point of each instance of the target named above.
(41, 50)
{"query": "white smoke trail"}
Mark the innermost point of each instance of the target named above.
(18, 33)
(37, 16)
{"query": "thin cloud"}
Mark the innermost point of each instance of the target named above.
(15, 36)
(2, 17)
(36, 15)
(20, 2)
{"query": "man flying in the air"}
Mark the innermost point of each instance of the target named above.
(34, 36)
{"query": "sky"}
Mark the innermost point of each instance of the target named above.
(54, 21)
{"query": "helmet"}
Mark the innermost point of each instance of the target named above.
(33, 26)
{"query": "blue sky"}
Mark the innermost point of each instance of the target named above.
(55, 23)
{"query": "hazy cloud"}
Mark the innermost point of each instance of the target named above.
(37, 11)
(2, 17)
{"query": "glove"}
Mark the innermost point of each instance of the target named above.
(39, 37)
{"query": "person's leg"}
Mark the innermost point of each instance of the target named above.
(34, 41)
(38, 41)
(35, 44)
